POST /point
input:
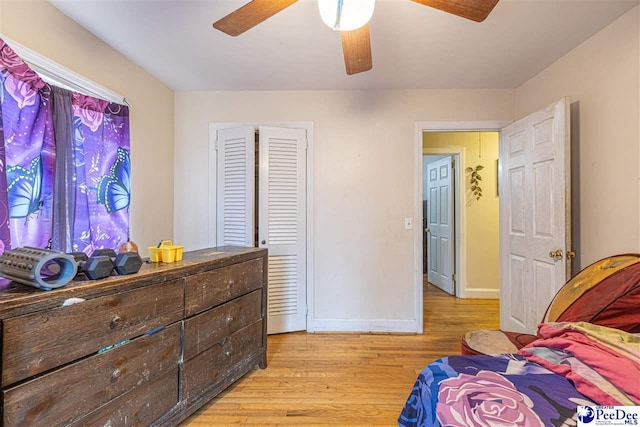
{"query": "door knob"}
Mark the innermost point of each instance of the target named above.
(571, 254)
(557, 254)
(427, 230)
(264, 242)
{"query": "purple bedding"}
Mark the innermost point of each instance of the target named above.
(501, 390)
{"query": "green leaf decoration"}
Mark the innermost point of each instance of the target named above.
(474, 180)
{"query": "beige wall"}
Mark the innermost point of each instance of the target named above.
(602, 78)
(364, 156)
(38, 25)
(363, 185)
(480, 225)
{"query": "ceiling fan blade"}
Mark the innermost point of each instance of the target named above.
(476, 10)
(250, 15)
(356, 47)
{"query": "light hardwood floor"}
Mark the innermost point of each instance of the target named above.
(345, 379)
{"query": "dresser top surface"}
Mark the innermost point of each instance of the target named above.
(14, 297)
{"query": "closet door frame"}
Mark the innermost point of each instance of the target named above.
(212, 186)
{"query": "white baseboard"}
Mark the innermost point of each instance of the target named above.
(481, 293)
(361, 325)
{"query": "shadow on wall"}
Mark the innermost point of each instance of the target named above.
(575, 186)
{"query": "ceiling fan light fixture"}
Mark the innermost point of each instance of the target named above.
(346, 15)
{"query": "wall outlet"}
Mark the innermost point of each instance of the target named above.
(408, 223)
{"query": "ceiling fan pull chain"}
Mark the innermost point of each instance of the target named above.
(338, 15)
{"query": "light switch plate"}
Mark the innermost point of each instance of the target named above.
(408, 224)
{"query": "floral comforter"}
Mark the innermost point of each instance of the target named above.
(571, 365)
(503, 390)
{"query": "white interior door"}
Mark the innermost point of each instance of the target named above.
(235, 200)
(440, 224)
(534, 184)
(282, 224)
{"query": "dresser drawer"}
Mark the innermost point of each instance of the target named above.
(139, 407)
(211, 288)
(206, 329)
(37, 342)
(75, 390)
(213, 366)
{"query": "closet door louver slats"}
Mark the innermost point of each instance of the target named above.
(282, 224)
(235, 186)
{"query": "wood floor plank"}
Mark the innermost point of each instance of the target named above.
(350, 379)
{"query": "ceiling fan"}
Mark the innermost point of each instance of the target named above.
(350, 17)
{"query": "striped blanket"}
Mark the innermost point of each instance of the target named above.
(602, 363)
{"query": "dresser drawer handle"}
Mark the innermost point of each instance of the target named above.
(229, 319)
(227, 353)
(114, 322)
(230, 282)
(116, 374)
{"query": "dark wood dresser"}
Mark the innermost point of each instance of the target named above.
(144, 349)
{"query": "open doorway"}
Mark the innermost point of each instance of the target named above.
(475, 154)
(461, 236)
(461, 276)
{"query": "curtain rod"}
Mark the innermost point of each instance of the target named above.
(56, 74)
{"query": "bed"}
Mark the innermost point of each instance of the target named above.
(572, 364)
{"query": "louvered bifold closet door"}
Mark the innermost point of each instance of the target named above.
(282, 224)
(235, 202)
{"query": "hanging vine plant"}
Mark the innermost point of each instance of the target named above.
(475, 179)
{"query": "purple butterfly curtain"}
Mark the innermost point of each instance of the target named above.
(29, 154)
(102, 166)
(64, 164)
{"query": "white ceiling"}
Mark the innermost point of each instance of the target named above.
(414, 46)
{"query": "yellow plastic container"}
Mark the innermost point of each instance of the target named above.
(166, 252)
